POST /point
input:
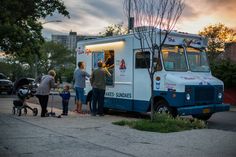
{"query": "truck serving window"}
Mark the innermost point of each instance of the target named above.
(197, 60)
(174, 58)
(109, 64)
(142, 60)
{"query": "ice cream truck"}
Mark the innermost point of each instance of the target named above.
(183, 83)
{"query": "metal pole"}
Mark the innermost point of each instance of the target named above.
(129, 17)
(35, 66)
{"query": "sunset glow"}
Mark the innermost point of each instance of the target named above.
(92, 16)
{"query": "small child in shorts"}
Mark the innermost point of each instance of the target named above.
(65, 94)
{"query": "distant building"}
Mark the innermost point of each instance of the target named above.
(62, 39)
(70, 41)
(230, 51)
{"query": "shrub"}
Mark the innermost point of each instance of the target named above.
(164, 123)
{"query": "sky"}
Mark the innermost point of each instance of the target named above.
(89, 17)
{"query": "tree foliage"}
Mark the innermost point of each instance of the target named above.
(114, 29)
(56, 56)
(15, 69)
(225, 70)
(218, 35)
(20, 28)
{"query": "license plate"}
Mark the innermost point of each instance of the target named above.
(206, 110)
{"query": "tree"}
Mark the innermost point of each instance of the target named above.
(14, 69)
(20, 28)
(148, 16)
(114, 29)
(56, 56)
(218, 35)
(225, 70)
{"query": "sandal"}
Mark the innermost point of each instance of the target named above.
(75, 110)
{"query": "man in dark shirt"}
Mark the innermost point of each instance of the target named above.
(98, 81)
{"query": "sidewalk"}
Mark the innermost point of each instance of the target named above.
(86, 136)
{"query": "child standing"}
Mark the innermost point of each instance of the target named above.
(65, 94)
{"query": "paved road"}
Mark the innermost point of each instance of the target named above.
(85, 136)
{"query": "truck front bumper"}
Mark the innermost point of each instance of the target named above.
(203, 109)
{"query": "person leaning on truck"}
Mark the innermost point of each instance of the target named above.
(98, 82)
(79, 77)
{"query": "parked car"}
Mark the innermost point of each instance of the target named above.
(6, 85)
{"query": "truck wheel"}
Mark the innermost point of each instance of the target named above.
(105, 110)
(204, 117)
(162, 106)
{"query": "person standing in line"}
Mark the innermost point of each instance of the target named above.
(98, 82)
(65, 95)
(47, 82)
(79, 77)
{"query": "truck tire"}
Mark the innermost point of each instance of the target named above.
(162, 106)
(204, 117)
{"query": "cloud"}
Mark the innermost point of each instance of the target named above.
(88, 16)
(190, 12)
(92, 16)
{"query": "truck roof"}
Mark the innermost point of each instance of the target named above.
(123, 37)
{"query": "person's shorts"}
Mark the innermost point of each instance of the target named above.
(79, 94)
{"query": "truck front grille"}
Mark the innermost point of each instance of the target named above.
(204, 93)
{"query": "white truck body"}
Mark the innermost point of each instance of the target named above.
(174, 82)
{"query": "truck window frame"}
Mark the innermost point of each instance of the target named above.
(185, 59)
(139, 61)
(111, 70)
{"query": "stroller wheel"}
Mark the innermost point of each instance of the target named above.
(14, 110)
(25, 111)
(18, 111)
(35, 112)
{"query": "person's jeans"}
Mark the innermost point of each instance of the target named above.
(43, 100)
(65, 104)
(98, 98)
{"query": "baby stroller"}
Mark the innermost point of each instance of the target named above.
(24, 89)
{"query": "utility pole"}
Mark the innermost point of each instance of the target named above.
(129, 17)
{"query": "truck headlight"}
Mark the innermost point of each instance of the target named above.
(188, 96)
(220, 95)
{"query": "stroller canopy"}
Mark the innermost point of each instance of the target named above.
(21, 82)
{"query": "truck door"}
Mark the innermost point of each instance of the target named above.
(141, 81)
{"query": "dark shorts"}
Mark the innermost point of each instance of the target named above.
(79, 94)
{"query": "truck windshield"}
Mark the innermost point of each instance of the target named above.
(197, 60)
(174, 58)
